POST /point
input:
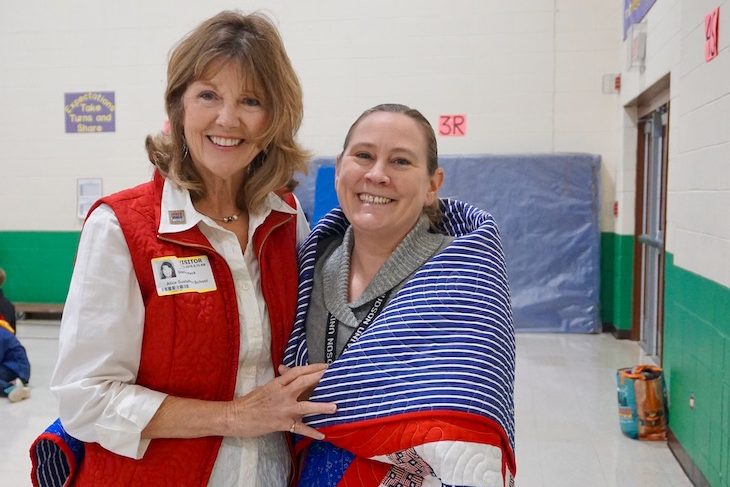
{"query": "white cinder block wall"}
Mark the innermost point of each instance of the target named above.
(698, 225)
(527, 73)
(663, 49)
(699, 185)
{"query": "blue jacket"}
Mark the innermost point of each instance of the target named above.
(13, 356)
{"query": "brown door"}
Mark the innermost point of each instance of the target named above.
(651, 196)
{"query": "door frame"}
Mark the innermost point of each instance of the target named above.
(638, 271)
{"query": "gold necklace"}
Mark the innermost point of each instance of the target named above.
(226, 219)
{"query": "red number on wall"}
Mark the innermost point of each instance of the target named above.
(452, 125)
(711, 34)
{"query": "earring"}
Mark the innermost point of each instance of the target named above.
(185, 151)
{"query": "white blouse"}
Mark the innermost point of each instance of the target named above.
(101, 339)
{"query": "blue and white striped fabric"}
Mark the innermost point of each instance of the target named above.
(55, 457)
(444, 342)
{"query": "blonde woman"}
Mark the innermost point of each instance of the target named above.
(174, 381)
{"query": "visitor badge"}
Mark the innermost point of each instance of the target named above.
(176, 275)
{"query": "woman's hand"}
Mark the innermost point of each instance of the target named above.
(276, 406)
(304, 396)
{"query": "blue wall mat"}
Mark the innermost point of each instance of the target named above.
(546, 206)
(324, 189)
(306, 188)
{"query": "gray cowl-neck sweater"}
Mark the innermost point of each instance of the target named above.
(332, 274)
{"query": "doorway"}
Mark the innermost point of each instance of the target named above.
(651, 197)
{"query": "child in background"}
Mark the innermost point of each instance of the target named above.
(14, 365)
(7, 309)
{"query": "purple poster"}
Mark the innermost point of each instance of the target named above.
(634, 11)
(89, 112)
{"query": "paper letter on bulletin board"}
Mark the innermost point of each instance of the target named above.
(711, 34)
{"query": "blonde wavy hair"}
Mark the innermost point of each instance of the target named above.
(252, 44)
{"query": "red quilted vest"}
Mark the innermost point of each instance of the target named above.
(190, 344)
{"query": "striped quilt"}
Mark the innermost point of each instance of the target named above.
(425, 396)
(55, 457)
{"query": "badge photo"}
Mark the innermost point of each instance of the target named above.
(177, 275)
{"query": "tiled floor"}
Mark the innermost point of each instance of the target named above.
(567, 419)
(567, 427)
(21, 422)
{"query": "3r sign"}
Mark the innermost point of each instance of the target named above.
(452, 125)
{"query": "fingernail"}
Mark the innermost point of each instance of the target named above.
(320, 437)
(333, 408)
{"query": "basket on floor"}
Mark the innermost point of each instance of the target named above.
(642, 402)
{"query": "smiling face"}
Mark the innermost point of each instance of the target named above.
(382, 178)
(222, 123)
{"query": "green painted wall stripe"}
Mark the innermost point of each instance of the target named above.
(38, 265)
(617, 267)
(696, 361)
